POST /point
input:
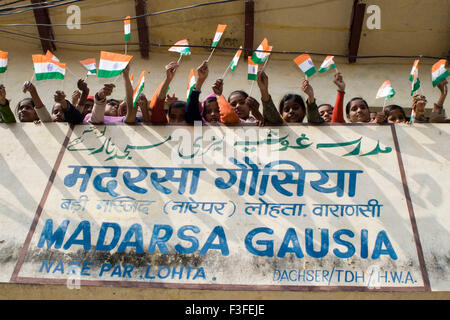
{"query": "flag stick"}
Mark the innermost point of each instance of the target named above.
(211, 54)
(32, 78)
(228, 68)
(384, 104)
(251, 88)
(71, 72)
(126, 47)
(179, 59)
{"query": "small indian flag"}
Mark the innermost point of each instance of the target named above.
(327, 64)
(235, 60)
(386, 90)
(139, 88)
(305, 64)
(183, 49)
(191, 83)
(438, 72)
(3, 61)
(50, 56)
(219, 32)
(132, 79)
(259, 57)
(112, 64)
(252, 69)
(45, 69)
(127, 28)
(90, 65)
(414, 77)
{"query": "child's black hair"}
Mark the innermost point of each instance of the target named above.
(297, 98)
(347, 107)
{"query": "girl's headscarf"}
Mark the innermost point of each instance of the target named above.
(212, 95)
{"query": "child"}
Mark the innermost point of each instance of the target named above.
(107, 111)
(32, 109)
(177, 112)
(357, 111)
(6, 115)
(239, 108)
(158, 115)
(193, 112)
(325, 111)
(292, 107)
(210, 109)
(395, 114)
(336, 114)
(64, 111)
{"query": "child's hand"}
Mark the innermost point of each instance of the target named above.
(308, 89)
(443, 87)
(252, 104)
(419, 103)
(82, 85)
(76, 95)
(203, 71)
(339, 81)
(263, 81)
(28, 87)
(105, 91)
(142, 102)
(59, 96)
(171, 69)
(218, 87)
(2, 94)
(380, 118)
(171, 99)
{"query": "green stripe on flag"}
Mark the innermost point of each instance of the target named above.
(108, 74)
(3, 69)
(49, 75)
(252, 76)
(441, 78)
(416, 87)
(321, 70)
(310, 72)
(127, 37)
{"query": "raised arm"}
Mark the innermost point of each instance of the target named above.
(312, 112)
(5, 111)
(131, 111)
(192, 109)
(227, 114)
(158, 114)
(338, 110)
(83, 87)
(270, 112)
(71, 114)
(40, 108)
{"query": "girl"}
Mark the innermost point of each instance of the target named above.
(239, 108)
(357, 111)
(395, 114)
(32, 109)
(292, 107)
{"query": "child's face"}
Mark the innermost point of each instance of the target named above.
(176, 115)
(26, 112)
(396, 116)
(326, 112)
(112, 109)
(237, 101)
(88, 106)
(359, 112)
(292, 111)
(212, 112)
(57, 113)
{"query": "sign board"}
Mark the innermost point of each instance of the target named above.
(247, 208)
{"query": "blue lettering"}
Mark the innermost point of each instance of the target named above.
(268, 252)
(364, 243)
(160, 242)
(383, 239)
(135, 230)
(291, 236)
(101, 246)
(350, 247)
(324, 243)
(49, 237)
(191, 239)
(85, 227)
(222, 245)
